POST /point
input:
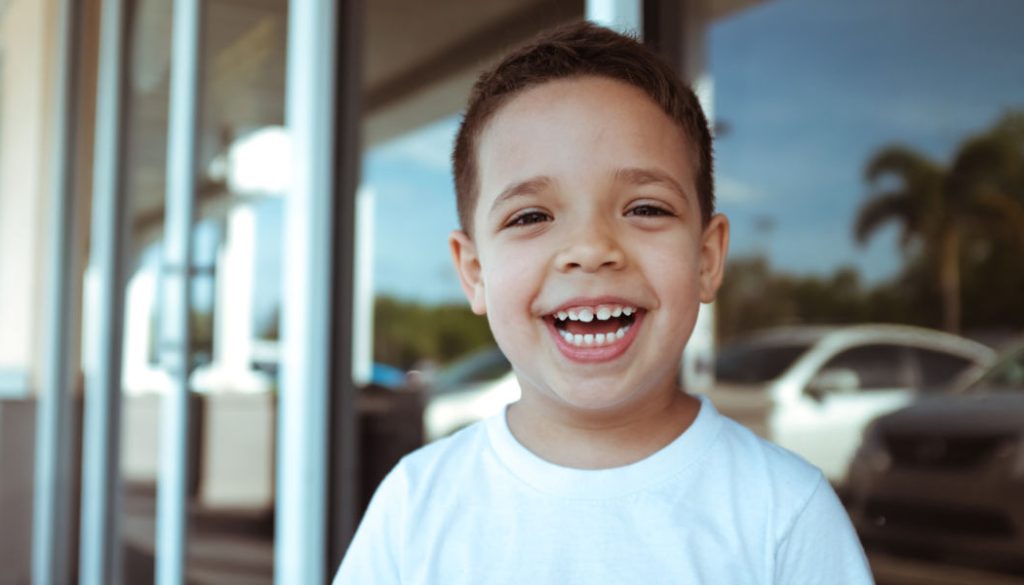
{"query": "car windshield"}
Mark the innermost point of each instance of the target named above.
(1006, 376)
(756, 362)
(481, 366)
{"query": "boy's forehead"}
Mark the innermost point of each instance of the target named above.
(585, 123)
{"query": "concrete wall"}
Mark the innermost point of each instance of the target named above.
(26, 106)
(17, 441)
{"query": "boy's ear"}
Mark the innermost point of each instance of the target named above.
(713, 249)
(467, 264)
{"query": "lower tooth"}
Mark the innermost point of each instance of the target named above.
(594, 339)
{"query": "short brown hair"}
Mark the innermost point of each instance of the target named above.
(573, 50)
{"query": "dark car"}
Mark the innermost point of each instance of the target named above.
(945, 476)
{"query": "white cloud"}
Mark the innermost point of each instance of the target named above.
(429, 147)
(732, 190)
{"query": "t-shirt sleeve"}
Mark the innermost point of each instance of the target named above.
(821, 545)
(373, 555)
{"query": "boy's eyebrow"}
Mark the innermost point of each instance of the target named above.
(638, 176)
(527, 187)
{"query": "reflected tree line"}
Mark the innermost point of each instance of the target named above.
(962, 238)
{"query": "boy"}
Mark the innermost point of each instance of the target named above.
(589, 239)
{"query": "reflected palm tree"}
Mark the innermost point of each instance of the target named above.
(980, 194)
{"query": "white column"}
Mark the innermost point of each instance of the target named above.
(362, 305)
(230, 370)
(233, 319)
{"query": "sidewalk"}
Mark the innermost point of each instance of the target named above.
(223, 549)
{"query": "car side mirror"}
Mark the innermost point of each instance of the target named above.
(833, 381)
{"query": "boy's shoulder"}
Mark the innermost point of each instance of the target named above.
(760, 471)
(765, 456)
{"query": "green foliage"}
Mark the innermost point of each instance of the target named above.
(753, 296)
(406, 332)
(976, 201)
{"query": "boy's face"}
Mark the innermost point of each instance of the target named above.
(588, 255)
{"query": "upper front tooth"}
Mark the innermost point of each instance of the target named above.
(586, 315)
(573, 315)
(617, 311)
(604, 313)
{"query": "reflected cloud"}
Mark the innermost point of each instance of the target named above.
(734, 191)
(429, 147)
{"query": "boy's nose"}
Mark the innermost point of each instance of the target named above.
(590, 248)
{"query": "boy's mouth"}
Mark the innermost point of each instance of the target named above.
(594, 326)
(594, 333)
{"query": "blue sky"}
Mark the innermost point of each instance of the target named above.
(809, 90)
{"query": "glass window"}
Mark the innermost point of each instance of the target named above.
(878, 367)
(936, 369)
(481, 366)
(1008, 376)
(753, 363)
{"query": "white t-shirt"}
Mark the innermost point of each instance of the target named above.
(717, 506)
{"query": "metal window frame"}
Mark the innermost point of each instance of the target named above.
(316, 440)
(345, 476)
(100, 545)
(184, 120)
(53, 505)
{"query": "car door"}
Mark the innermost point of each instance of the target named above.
(825, 427)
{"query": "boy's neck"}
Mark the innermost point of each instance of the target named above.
(601, 440)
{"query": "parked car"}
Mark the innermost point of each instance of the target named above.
(946, 475)
(813, 390)
(471, 389)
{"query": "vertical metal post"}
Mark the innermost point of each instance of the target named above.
(100, 545)
(53, 506)
(301, 534)
(175, 345)
(345, 480)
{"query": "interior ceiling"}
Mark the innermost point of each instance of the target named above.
(420, 59)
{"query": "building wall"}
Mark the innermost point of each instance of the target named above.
(26, 108)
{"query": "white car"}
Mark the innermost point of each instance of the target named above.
(813, 390)
(473, 388)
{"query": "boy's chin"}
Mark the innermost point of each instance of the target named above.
(595, 400)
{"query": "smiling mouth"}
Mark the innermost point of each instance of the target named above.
(594, 327)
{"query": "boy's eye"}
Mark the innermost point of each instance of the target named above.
(528, 218)
(648, 210)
